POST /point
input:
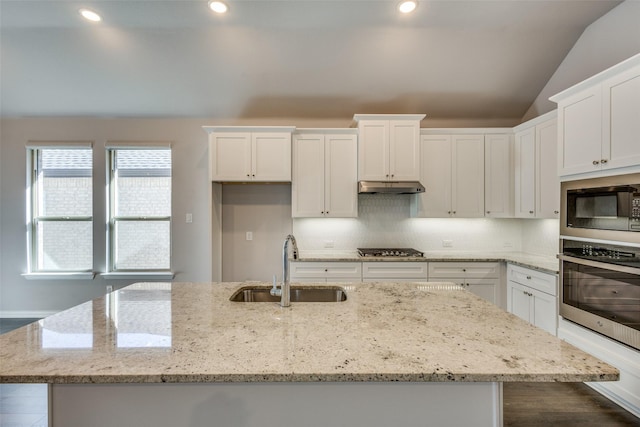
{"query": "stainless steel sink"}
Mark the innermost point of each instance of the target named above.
(298, 294)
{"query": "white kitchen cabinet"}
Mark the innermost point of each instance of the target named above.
(329, 271)
(388, 147)
(325, 173)
(599, 121)
(532, 296)
(480, 278)
(241, 154)
(498, 175)
(537, 185)
(453, 176)
(394, 271)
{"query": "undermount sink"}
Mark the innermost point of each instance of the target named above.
(298, 294)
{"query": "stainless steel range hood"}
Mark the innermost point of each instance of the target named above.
(390, 187)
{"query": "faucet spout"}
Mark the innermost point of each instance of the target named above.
(285, 289)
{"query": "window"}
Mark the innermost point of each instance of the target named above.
(139, 206)
(60, 208)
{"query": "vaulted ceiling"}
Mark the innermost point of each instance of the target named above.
(450, 59)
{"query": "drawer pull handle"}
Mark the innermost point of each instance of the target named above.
(595, 162)
(528, 277)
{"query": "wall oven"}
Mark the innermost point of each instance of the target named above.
(600, 256)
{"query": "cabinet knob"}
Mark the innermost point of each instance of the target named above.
(464, 269)
(595, 162)
(528, 277)
(454, 212)
(531, 212)
(449, 212)
(327, 212)
(392, 175)
(603, 161)
(488, 212)
(248, 175)
(253, 175)
(322, 213)
(326, 269)
(387, 175)
(556, 212)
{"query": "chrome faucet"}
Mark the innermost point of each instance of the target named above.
(285, 289)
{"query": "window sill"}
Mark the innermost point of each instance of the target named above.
(60, 276)
(142, 275)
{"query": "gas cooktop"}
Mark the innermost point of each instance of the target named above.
(389, 252)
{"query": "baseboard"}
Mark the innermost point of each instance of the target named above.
(25, 314)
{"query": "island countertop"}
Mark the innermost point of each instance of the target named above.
(191, 332)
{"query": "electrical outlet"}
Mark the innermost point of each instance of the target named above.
(249, 235)
(447, 243)
(328, 244)
(189, 218)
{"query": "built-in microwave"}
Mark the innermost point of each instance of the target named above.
(605, 208)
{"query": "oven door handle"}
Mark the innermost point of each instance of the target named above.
(598, 264)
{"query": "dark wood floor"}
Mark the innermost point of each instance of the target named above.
(525, 404)
(561, 404)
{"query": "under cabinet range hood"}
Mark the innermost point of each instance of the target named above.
(390, 187)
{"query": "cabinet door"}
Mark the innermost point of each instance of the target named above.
(373, 150)
(547, 180)
(545, 312)
(498, 176)
(230, 156)
(404, 150)
(580, 132)
(525, 172)
(518, 301)
(468, 176)
(486, 289)
(621, 115)
(435, 153)
(307, 185)
(271, 156)
(341, 176)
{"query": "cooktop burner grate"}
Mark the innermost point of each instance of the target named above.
(389, 252)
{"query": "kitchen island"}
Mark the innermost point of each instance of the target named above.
(183, 354)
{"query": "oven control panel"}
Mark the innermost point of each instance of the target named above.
(634, 220)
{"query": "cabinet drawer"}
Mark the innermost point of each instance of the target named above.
(326, 270)
(480, 270)
(543, 282)
(395, 270)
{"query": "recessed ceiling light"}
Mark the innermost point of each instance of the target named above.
(407, 6)
(218, 6)
(90, 15)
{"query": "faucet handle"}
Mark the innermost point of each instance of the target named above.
(274, 290)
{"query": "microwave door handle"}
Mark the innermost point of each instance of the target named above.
(598, 264)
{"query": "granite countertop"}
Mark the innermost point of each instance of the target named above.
(191, 332)
(544, 263)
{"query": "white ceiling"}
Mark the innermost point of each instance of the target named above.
(451, 59)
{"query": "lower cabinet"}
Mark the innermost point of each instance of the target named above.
(532, 296)
(480, 278)
(390, 271)
(332, 271)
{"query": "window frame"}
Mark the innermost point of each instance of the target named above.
(112, 219)
(33, 217)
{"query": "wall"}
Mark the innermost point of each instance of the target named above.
(191, 194)
(608, 41)
(265, 211)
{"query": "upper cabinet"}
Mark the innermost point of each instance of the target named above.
(325, 177)
(498, 175)
(240, 154)
(537, 185)
(389, 147)
(453, 176)
(599, 121)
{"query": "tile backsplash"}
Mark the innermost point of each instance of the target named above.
(384, 221)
